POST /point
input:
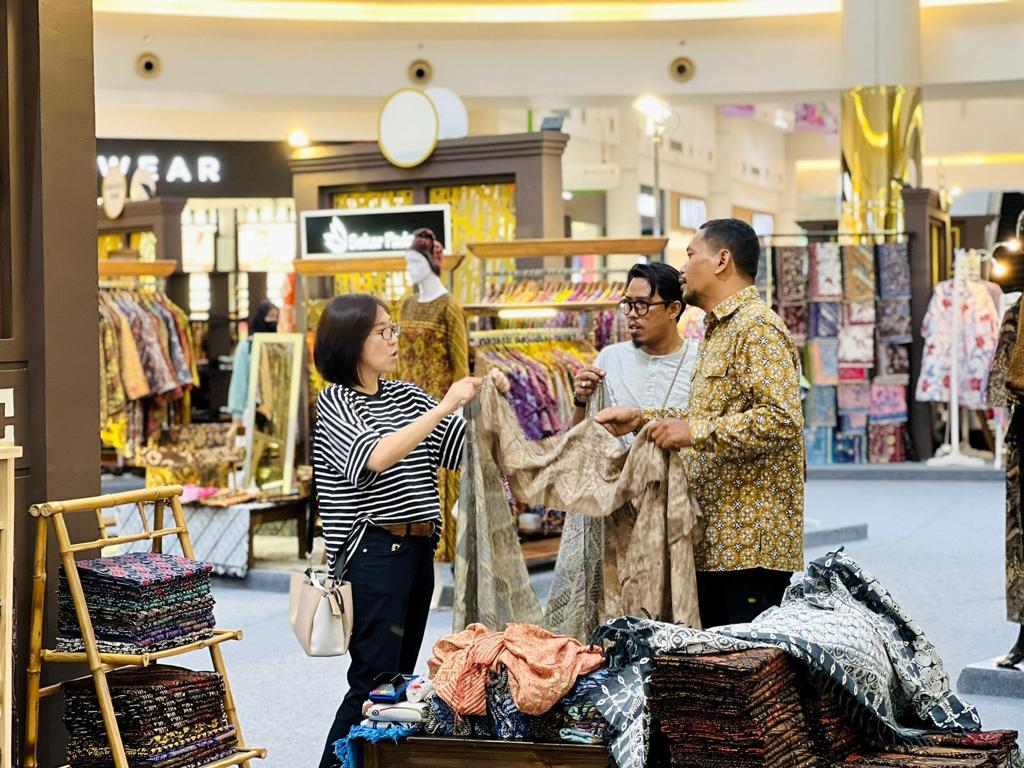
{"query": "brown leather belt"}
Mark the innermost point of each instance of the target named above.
(410, 529)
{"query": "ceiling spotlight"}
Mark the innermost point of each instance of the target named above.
(567, 195)
(657, 111)
(298, 138)
(1013, 244)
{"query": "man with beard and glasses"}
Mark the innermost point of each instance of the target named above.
(742, 440)
(652, 370)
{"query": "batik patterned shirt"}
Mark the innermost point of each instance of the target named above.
(746, 465)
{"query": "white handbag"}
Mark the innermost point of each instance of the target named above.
(320, 613)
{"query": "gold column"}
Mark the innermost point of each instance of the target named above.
(881, 143)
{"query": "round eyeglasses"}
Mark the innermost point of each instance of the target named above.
(640, 307)
(389, 333)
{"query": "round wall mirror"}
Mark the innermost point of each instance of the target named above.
(408, 129)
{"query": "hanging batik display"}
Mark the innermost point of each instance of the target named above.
(821, 362)
(858, 273)
(885, 443)
(792, 272)
(859, 313)
(823, 319)
(856, 346)
(888, 404)
(825, 275)
(795, 318)
(820, 407)
(894, 271)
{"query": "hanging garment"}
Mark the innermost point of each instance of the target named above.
(1014, 519)
(856, 346)
(895, 322)
(840, 622)
(434, 354)
(826, 273)
(888, 404)
(858, 273)
(975, 349)
(792, 269)
(859, 313)
(651, 521)
(892, 363)
(998, 393)
(823, 319)
(821, 362)
(894, 271)
(796, 321)
(820, 407)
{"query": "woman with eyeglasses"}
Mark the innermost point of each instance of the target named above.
(377, 446)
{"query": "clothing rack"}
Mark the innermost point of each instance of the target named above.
(554, 271)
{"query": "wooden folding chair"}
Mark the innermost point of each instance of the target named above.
(100, 664)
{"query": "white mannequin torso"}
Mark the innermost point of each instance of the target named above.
(428, 285)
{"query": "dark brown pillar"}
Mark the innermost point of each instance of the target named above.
(931, 253)
(49, 344)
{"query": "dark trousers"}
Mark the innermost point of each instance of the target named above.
(392, 581)
(737, 597)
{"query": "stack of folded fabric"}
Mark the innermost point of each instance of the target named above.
(986, 749)
(832, 736)
(733, 710)
(168, 718)
(140, 602)
(404, 714)
(439, 719)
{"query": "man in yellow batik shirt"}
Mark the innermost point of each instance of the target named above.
(742, 442)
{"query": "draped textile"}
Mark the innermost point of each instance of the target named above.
(651, 521)
(841, 623)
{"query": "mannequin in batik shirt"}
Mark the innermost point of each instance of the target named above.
(434, 351)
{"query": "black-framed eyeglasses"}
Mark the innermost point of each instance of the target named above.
(389, 333)
(641, 307)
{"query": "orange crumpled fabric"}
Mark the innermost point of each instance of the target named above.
(542, 667)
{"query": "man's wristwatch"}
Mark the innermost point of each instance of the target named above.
(578, 403)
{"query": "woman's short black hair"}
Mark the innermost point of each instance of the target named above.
(664, 280)
(344, 326)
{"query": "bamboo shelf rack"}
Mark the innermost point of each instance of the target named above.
(9, 454)
(100, 664)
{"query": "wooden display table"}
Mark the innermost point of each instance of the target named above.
(430, 752)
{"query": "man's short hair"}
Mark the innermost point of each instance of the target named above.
(738, 238)
(664, 280)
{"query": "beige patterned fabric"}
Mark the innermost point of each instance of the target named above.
(651, 520)
(746, 423)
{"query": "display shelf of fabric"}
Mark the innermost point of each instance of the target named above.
(170, 718)
(132, 610)
(431, 752)
(198, 454)
(139, 602)
(975, 349)
(986, 749)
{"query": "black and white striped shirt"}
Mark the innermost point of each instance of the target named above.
(349, 425)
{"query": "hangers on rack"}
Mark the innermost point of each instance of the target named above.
(528, 335)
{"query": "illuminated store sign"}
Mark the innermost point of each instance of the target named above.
(357, 233)
(205, 169)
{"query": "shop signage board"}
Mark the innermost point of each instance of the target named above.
(200, 168)
(367, 232)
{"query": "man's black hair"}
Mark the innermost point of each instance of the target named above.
(664, 280)
(738, 238)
